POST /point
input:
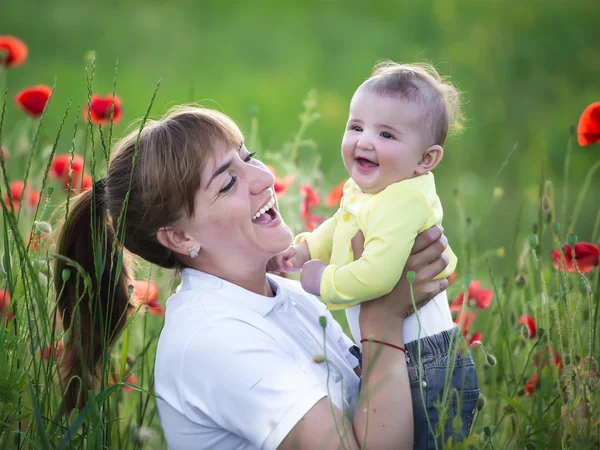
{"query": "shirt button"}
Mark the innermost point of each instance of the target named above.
(424, 384)
(352, 199)
(346, 217)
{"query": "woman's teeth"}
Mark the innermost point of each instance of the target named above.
(265, 208)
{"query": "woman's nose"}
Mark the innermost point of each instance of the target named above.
(261, 178)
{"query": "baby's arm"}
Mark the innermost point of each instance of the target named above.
(390, 229)
(316, 244)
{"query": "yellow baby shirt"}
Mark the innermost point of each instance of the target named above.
(390, 221)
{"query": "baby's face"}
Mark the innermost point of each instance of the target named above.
(383, 142)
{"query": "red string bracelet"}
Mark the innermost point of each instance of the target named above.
(384, 343)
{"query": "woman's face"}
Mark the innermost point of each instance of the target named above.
(236, 222)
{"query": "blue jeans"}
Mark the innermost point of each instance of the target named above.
(463, 388)
(438, 355)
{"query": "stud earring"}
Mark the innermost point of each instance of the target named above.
(193, 252)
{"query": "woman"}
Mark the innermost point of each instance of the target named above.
(245, 360)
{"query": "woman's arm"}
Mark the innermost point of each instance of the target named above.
(384, 418)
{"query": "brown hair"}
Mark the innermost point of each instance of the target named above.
(153, 175)
(420, 83)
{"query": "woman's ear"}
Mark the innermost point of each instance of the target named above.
(431, 158)
(176, 241)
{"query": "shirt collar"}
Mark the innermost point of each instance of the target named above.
(225, 292)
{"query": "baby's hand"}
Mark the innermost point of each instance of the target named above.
(289, 260)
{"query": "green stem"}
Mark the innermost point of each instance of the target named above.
(581, 196)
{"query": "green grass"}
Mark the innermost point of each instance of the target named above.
(528, 70)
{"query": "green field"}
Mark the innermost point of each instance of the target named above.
(527, 70)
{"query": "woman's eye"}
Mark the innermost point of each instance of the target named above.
(229, 185)
(249, 157)
(386, 135)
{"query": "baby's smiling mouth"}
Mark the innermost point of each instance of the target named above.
(366, 163)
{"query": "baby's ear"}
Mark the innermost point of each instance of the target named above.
(431, 158)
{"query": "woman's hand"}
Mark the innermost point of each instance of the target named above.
(426, 260)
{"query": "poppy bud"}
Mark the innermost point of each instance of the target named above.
(410, 276)
(50, 190)
(533, 240)
(481, 402)
(521, 280)
(546, 204)
(43, 227)
(556, 228)
(572, 239)
(540, 332)
(43, 280)
(66, 274)
(67, 336)
(319, 359)
(323, 321)
(487, 431)
(468, 220)
(491, 360)
(572, 130)
(130, 289)
(534, 228)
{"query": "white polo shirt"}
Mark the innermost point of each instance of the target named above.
(235, 370)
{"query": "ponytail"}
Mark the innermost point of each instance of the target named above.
(93, 313)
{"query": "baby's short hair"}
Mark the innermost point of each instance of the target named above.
(422, 84)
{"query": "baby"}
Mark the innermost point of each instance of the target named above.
(398, 124)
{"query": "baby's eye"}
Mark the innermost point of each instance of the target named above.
(386, 135)
(249, 157)
(356, 128)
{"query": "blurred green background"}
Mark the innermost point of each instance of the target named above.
(527, 68)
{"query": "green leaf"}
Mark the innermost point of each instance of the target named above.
(124, 351)
(514, 403)
(38, 416)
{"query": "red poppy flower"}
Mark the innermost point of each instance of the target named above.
(469, 319)
(281, 184)
(101, 109)
(528, 321)
(131, 379)
(146, 292)
(33, 100)
(335, 195)
(452, 278)
(59, 169)
(544, 358)
(588, 129)
(16, 187)
(36, 239)
(475, 339)
(311, 198)
(587, 256)
(5, 312)
(481, 298)
(532, 384)
(313, 222)
(15, 51)
(53, 352)
(87, 182)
